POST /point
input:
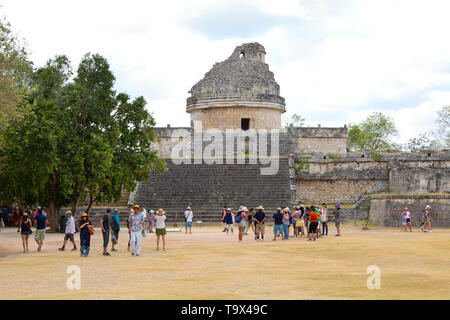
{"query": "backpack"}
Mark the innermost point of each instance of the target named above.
(238, 218)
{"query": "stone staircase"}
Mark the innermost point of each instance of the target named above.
(206, 188)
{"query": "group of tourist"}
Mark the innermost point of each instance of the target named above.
(426, 220)
(310, 222)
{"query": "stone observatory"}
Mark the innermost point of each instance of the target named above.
(238, 93)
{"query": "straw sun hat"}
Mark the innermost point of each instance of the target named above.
(160, 212)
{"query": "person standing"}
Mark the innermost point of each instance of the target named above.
(69, 232)
(136, 223)
(160, 219)
(40, 221)
(249, 222)
(229, 220)
(115, 227)
(25, 230)
(337, 219)
(85, 234)
(313, 223)
(278, 223)
(224, 223)
(188, 216)
(286, 224)
(260, 218)
(324, 214)
(295, 218)
(240, 220)
(105, 224)
(150, 221)
(408, 219)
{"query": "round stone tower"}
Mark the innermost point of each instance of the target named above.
(238, 93)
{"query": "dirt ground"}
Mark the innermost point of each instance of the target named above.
(209, 264)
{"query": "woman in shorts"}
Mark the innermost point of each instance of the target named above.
(25, 230)
(160, 220)
(249, 222)
(241, 224)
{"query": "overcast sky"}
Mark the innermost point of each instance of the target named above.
(336, 61)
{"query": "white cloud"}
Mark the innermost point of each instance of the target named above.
(336, 62)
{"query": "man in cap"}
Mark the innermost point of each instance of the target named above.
(188, 216)
(105, 223)
(40, 221)
(70, 231)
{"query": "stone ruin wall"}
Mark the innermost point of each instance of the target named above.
(345, 178)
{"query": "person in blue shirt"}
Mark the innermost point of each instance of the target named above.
(259, 217)
(40, 221)
(278, 226)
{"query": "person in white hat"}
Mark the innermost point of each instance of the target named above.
(188, 216)
(69, 232)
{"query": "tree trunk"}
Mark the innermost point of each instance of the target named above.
(91, 203)
(53, 217)
(74, 208)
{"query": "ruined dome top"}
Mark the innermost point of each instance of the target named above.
(243, 76)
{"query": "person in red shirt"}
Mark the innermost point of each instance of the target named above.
(313, 223)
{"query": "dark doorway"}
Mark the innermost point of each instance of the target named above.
(245, 123)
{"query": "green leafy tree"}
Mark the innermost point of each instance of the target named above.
(373, 134)
(90, 142)
(15, 71)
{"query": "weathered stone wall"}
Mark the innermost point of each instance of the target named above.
(333, 145)
(386, 210)
(346, 177)
(336, 191)
(230, 117)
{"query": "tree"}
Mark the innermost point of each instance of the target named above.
(88, 140)
(423, 142)
(373, 134)
(295, 120)
(15, 70)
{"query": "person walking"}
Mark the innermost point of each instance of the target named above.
(278, 224)
(105, 224)
(260, 218)
(86, 228)
(324, 215)
(24, 227)
(426, 219)
(69, 232)
(136, 223)
(160, 219)
(337, 219)
(115, 227)
(188, 216)
(229, 217)
(40, 222)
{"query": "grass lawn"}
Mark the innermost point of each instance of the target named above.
(212, 265)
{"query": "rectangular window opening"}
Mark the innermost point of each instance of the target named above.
(245, 123)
